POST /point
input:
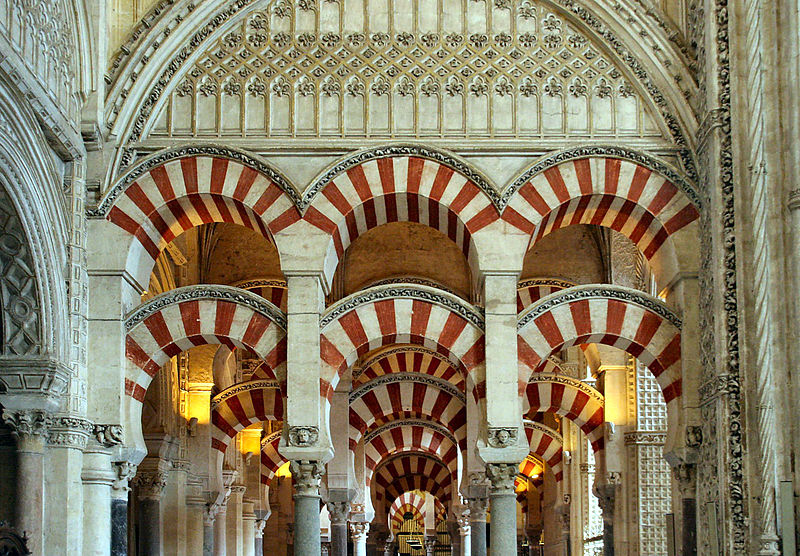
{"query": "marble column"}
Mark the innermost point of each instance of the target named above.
(209, 518)
(195, 527)
(98, 476)
(477, 525)
(29, 428)
(684, 474)
(464, 531)
(234, 539)
(607, 497)
(258, 530)
(504, 507)
(220, 531)
(306, 475)
(338, 511)
(359, 531)
(248, 528)
(149, 488)
(125, 472)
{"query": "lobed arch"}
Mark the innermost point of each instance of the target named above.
(406, 314)
(242, 405)
(412, 471)
(611, 315)
(402, 395)
(570, 398)
(400, 183)
(178, 189)
(635, 194)
(271, 458)
(192, 316)
(411, 435)
(547, 444)
(409, 359)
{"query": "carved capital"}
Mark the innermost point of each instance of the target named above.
(338, 511)
(259, 528)
(686, 476)
(607, 495)
(794, 199)
(125, 472)
(502, 477)
(502, 437)
(303, 437)
(307, 476)
(359, 530)
(477, 508)
(69, 432)
(150, 484)
(210, 514)
(694, 437)
(109, 435)
(29, 427)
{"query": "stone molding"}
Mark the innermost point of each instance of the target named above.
(150, 484)
(410, 423)
(307, 476)
(243, 387)
(569, 381)
(416, 378)
(554, 282)
(533, 425)
(502, 477)
(36, 383)
(261, 283)
(394, 291)
(271, 438)
(645, 437)
(606, 291)
(69, 432)
(201, 292)
(405, 349)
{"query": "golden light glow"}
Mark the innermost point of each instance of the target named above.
(283, 471)
(250, 439)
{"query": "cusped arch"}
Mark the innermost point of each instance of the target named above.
(400, 183)
(632, 193)
(175, 190)
(620, 317)
(406, 314)
(547, 444)
(242, 405)
(570, 398)
(401, 395)
(192, 316)
(271, 458)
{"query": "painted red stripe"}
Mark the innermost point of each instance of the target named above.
(415, 166)
(648, 327)
(581, 317)
(440, 182)
(662, 198)
(580, 210)
(219, 169)
(352, 326)
(517, 220)
(161, 179)
(538, 203)
(157, 326)
(486, 216)
(314, 217)
(556, 181)
(640, 177)
(683, 217)
(386, 173)
(286, 219)
(190, 316)
(451, 330)
(384, 311)
(360, 182)
(602, 209)
(612, 175)
(583, 171)
(255, 330)
(642, 225)
(245, 182)
(671, 354)
(337, 198)
(615, 316)
(467, 192)
(420, 313)
(136, 194)
(189, 170)
(223, 318)
(549, 329)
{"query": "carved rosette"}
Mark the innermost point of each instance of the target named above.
(359, 531)
(150, 484)
(29, 427)
(502, 437)
(69, 432)
(303, 437)
(339, 511)
(502, 477)
(307, 476)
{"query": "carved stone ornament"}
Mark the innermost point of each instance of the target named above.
(150, 484)
(477, 508)
(359, 530)
(338, 511)
(694, 437)
(606, 496)
(109, 435)
(69, 432)
(125, 472)
(502, 437)
(502, 476)
(303, 437)
(29, 426)
(307, 475)
(686, 476)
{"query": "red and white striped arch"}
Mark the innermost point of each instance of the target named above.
(611, 315)
(547, 444)
(403, 397)
(531, 291)
(408, 502)
(409, 359)
(392, 314)
(242, 405)
(616, 193)
(271, 459)
(412, 472)
(273, 290)
(570, 398)
(193, 316)
(159, 203)
(401, 188)
(410, 436)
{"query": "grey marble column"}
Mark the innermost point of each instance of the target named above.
(209, 516)
(359, 531)
(607, 496)
(29, 428)
(504, 507)
(477, 525)
(119, 507)
(149, 487)
(307, 475)
(338, 511)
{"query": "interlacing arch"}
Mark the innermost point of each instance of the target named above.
(570, 398)
(408, 359)
(411, 435)
(271, 458)
(175, 190)
(403, 395)
(399, 183)
(634, 194)
(181, 319)
(611, 315)
(405, 314)
(242, 405)
(547, 444)
(412, 471)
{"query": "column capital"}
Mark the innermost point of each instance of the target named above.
(125, 472)
(69, 432)
(259, 528)
(29, 427)
(502, 476)
(338, 511)
(359, 530)
(477, 508)
(109, 435)
(606, 497)
(307, 476)
(150, 484)
(686, 476)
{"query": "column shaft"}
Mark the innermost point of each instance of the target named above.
(220, 533)
(119, 527)
(359, 530)
(504, 523)
(338, 539)
(689, 533)
(149, 527)
(306, 525)
(98, 478)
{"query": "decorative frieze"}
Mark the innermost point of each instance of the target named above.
(69, 432)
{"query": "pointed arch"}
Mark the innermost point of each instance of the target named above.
(198, 315)
(400, 183)
(178, 189)
(271, 458)
(547, 444)
(570, 398)
(242, 405)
